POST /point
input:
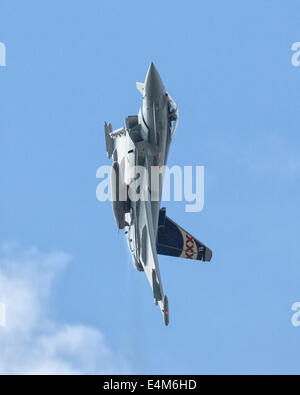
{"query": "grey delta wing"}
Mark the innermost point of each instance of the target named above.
(139, 150)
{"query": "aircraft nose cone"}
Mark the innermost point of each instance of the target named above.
(153, 84)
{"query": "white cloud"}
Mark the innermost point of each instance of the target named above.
(31, 343)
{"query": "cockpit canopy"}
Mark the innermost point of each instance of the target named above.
(173, 114)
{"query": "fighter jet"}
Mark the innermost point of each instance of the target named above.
(144, 142)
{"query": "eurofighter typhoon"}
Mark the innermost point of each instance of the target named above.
(144, 144)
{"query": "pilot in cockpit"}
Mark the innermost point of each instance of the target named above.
(172, 114)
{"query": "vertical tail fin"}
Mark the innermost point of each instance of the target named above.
(173, 240)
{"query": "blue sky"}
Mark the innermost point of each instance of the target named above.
(73, 65)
